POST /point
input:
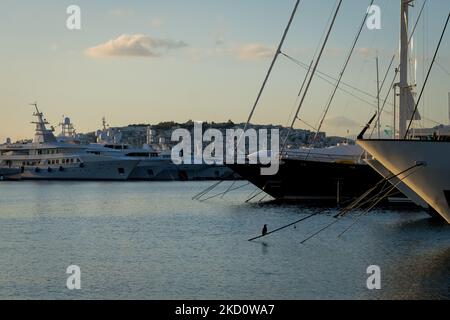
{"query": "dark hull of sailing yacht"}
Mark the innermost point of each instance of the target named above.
(311, 181)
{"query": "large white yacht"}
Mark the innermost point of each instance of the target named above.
(418, 159)
(45, 158)
(154, 164)
(150, 164)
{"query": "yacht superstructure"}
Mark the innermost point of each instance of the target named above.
(47, 159)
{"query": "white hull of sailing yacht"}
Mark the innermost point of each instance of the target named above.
(428, 164)
(397, 183)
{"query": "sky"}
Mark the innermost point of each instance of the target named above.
(205, 60)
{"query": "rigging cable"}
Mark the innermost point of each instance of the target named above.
(314, 68)
(274, 60)
(397, 70)
(442, 67)
(277, 53)
(323, 76)
(296, 114)
(294, 107)
(342, 72)
(308, 68)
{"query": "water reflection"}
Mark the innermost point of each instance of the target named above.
(422, 276)
(264, 247)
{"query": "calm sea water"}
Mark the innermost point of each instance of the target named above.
(149, 240)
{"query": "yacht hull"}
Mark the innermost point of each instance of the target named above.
(429, 176)
(304, 180)
(195, 172)
(112, 170)
(148, 170)
(9, 174)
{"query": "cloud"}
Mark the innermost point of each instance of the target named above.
(341, 122)
(254, 51)
(136, 45)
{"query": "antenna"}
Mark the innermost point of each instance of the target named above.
(42, 134)
(34, 104)
(104, 124)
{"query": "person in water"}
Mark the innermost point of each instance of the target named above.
(264, 230)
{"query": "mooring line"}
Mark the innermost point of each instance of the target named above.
(257, 194)
(284, 227)
(207, 190)
(322, 229)
(370, 200)
(364, 213)
(260, 200)
(387, 194)
(229, 188)
(339, 216)
(348, 209)
(261, 190)
(366, 194)
(223, 193)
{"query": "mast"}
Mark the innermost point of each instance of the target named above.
(104, 125)
(449, 107)
(378, 99)
(42, 134)
(405, 89)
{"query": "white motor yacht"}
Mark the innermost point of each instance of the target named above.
(154, 165)
(47, 159)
